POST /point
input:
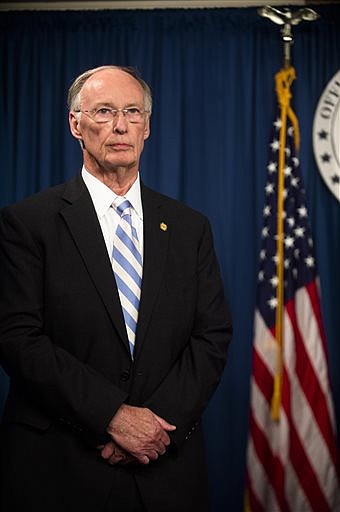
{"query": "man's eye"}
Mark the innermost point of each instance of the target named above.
(103, 110)
(133, 110)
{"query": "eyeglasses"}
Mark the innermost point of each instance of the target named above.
(106, 114)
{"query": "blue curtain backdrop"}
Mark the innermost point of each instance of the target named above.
(211, 72)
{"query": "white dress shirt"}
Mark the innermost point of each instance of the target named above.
(103, 197)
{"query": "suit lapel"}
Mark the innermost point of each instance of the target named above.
(81, 219)
(156, 237)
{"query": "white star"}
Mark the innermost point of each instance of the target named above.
(277, 123)
(269, 188)
(287, 263)
(294, 181)
(295, 161)
(263, 254)
(302, 211)
(296, 253)
(276, 259)
(295, 272)
(271, 167)
(290, 131)
(289, 242)
(272, 302)
(291, 221)
(274, 281)
(266, 211)
(275, 145)
(265, 232)
(310, 261)
(261, 275)
(299, 232)
(287, 170)
(310, 242)
(287, 151)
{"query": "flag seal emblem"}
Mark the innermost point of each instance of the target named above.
(326, 135)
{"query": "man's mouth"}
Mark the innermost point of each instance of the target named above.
(120, 146)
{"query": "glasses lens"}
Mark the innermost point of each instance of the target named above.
(133, 114)
(102, 115)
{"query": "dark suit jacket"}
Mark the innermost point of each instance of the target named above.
(64, 345)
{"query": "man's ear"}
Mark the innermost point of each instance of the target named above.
(147, 128)
(74, 126)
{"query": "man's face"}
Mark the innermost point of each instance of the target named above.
(118, 143)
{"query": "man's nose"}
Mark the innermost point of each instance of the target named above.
(120, 122)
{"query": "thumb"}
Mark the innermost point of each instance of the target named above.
(164, 424)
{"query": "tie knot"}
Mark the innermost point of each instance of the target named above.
(122, 206)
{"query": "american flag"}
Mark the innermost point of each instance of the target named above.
(292, 454)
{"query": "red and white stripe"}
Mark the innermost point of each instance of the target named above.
(291, 463)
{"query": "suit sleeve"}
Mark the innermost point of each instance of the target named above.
(44, 377)
(184, 393)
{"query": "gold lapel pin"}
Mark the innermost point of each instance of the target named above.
(163, 226)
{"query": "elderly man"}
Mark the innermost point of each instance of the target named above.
(113, 326)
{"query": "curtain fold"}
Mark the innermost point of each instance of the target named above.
(212, 76)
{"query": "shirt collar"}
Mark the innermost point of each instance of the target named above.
(135, 198)
(103, 197)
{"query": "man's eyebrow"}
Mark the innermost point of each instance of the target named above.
(110, 104)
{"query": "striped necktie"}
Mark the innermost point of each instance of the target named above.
(127, 266)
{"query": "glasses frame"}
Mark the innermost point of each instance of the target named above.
(114, 113)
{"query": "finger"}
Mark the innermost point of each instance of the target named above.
(163, 440)
(162, 450)
(107, 451)
(164, 424)
(153, 455)
(143, 459)
(159, 445)
(115, 459)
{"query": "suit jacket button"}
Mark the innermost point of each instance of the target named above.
(125, 375)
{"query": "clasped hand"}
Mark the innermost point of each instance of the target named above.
(137, 436)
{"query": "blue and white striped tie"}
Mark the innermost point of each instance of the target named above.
(128, 267)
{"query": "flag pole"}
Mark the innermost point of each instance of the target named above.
(292, 461)
(287, 18)
(284, 79)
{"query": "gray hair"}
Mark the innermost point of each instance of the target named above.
(73, 99)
